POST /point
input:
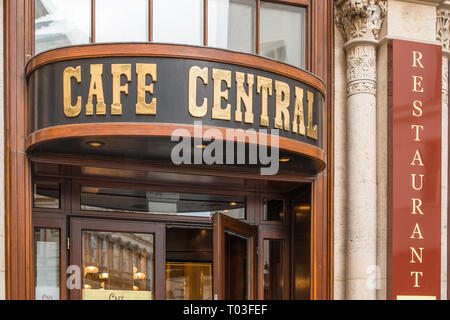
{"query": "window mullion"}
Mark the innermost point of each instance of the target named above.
(92, 21)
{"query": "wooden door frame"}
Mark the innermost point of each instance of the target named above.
(77, 225)
(221, 223)
(18, 50)
(271, 232)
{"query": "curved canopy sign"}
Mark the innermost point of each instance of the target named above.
(134, 101)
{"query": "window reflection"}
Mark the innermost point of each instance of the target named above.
(178, 21)
(118, 20)
(273, 210)
(47, 195)
(114, 263)
(60, 23)
(273, 269)
(46, 248)
(231, 24)
(283, 33)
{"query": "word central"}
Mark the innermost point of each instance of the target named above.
(223, 94)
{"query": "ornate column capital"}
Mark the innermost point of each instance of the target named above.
(360, 19)
(443, 27)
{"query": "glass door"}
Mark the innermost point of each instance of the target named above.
(118, 260)
(234, 261)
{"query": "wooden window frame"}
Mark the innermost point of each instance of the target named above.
(296, 3)
(58, 223)
(77, 225)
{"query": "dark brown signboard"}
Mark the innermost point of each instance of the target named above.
(132, 104)
(414, 257)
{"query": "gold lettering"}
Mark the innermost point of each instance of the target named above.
(117, 70)
(417, 127)
(247, 99)
(417, 230)
(417, 84)
(142, 70)
(416, 273)
(194, 110)
(416, 205)
(417, 157)
(417, 56)
(417, 106)
(283, 98)
(264, 86)
(299, 113)
(416, 254)
(69, 73)
(311, 130)
(96, 89)
(413, 175)
(220, 76)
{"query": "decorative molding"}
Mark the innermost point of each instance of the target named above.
(360, 19)
(443, 27)
(361, 70)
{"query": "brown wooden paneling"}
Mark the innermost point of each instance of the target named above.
(155, 130)
(18, 228)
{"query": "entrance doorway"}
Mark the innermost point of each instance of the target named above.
(140, 240)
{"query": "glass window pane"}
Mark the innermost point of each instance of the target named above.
(231, 24)
(117, 265)
(60, 23)
(46, 250)
(123, 200)
(273, 210)
(178, 21)
(273, 270)
(188, 281)
(237, 267)
(47, 195)
(283, 33)
(118, 20)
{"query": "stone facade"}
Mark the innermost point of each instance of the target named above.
(361, 134)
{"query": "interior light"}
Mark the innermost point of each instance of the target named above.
(285, 159)
(95, 144)
(200, 146)
(91, 269)
(104, 275)
(139, 276)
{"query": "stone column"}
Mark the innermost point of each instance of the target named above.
(443, 36)
(360, 21)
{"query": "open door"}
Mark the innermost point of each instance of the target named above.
(234, 263)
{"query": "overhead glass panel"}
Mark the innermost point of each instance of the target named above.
(178, 21)
(183, 204)
(283, 33)
(231, 24)
(60, 23)
(118, 21)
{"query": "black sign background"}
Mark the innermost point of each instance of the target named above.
(170, 89)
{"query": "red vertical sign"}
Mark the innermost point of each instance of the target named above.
(414, 224)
